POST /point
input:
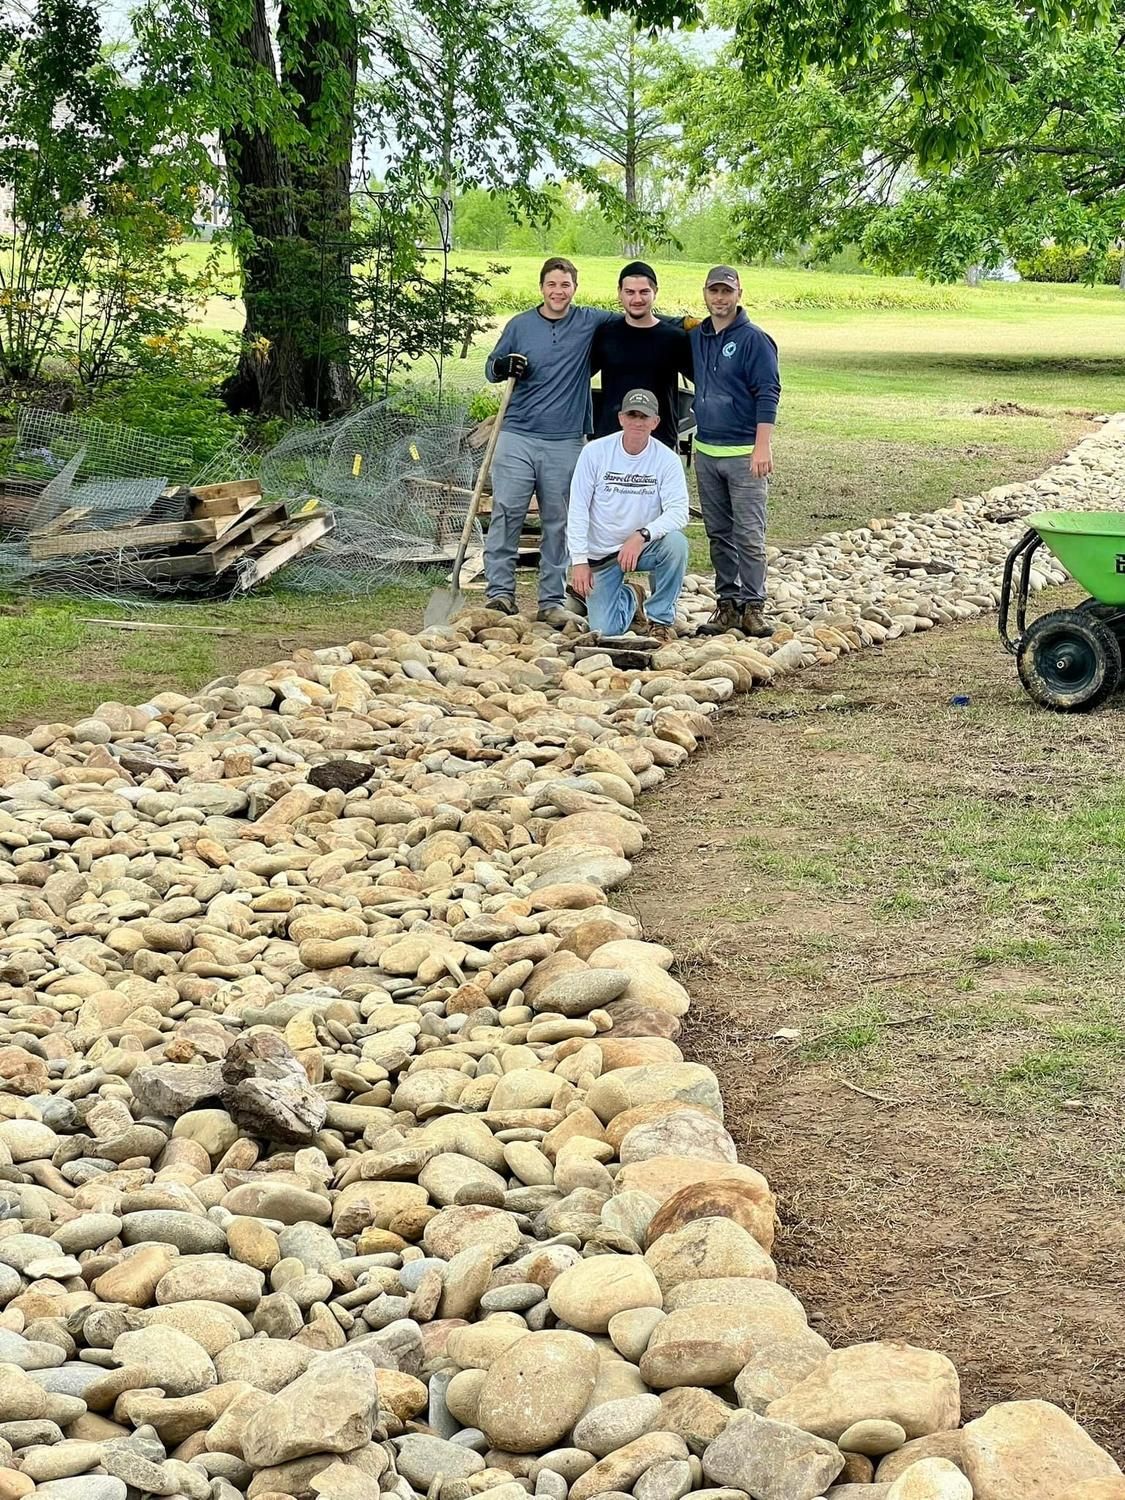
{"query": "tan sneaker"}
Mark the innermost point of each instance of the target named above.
(665, 634)
(553, 615)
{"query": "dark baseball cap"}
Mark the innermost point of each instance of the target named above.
(723, 276)
(641, 400)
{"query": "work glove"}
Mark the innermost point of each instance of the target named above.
(513, 367)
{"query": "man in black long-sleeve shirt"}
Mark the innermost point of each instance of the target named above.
(638, 350)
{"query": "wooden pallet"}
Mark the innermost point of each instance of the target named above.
(228, 526)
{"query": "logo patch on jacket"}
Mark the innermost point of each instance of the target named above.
(729, 349)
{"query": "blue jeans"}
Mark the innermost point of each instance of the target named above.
(610, 605)
(523, 466)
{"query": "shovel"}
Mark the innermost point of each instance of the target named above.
(443, 604)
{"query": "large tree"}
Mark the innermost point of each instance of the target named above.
(842, 155)
(448, 93)
(620, 121)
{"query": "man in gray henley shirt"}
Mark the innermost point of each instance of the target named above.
(550, 413)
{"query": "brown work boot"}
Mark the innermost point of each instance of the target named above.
(638, 624)
(575, 602)
(727, 616)
(753, 621)
(665, 634)
(504, 604)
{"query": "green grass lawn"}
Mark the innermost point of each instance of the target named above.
(57, 665)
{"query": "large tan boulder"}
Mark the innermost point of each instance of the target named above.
(916, 1388)
(587, 1295)
(707, 1249)
(625, 1088)
(741, 1199)
(1031, 1450)
(537, 1391)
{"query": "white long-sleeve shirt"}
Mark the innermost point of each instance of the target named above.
(614, 493)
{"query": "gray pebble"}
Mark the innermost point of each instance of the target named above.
(413, 1271)
(470, 1437)
(516, 1298)
(30, 1434)
(85, 1487)
(192, 1234)
(69, 1379)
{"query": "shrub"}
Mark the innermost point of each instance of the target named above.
(173, 392)
(1054, 263)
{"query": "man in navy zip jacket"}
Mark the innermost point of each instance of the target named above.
(737, 389)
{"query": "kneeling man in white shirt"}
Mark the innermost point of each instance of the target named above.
(627, 513)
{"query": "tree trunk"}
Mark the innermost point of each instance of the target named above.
(1121, 277)
(631, 246)
(294, 204)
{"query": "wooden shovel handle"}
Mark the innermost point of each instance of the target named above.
(478, 488)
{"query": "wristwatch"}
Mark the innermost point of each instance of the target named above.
(645, 532)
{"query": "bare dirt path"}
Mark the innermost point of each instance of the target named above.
(901, 922)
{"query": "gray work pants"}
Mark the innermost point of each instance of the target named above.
(523, 466)
(734, 513)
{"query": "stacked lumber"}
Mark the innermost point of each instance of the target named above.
(226, 529)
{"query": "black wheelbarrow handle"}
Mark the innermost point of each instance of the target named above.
(1024, 550)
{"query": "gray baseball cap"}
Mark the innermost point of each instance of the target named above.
(641, 400)
(723, 276)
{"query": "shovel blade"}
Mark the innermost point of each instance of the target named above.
(441, 606)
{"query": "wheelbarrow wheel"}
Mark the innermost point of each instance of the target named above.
(1069, 660)
(1112, 616)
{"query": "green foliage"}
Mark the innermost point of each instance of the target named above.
(484, 403)
(620, 119)
(172, 391)
(946, 64)
(769, 289)
(857, 151)
(699, 225)
(452, 95)
(88, 268)
(1053, 263)
(403, 307)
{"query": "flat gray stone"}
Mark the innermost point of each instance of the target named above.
(68, 1380)
(84, 1487)
(28, 1355)
(192, 1234)
(421, 1459)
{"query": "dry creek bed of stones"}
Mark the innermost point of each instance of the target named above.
(346, 1148)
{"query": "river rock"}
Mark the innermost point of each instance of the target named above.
(612, 1424)
(1031, 1449)
(914, 1387)
(772, 1460)
(332, 1408)
(707, 1249)
(266, 1090)
(744, 1201)
(589, 1294)
(931, 1479)
(533, 1394)
(684, 1133)
(166, 1358)
(625, 1088)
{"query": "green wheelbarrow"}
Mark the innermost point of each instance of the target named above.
(1070, 659)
